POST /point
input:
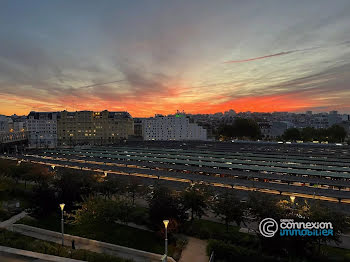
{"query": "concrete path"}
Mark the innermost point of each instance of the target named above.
(130, 224)
(8, 223)
(195, 251)
(344, 244)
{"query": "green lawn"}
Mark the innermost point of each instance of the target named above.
(4, 215)
(336, 253)
(206, 229)
(112, 233)
(10, 191)
(7, 184)
(19, 241)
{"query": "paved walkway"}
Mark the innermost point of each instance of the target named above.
(8, 223)
(195, 251)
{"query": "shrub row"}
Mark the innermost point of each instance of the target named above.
(225, 252)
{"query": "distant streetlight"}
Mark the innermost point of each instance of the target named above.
(166, 222)
(62, 229)
(292, 199)
(53, 167)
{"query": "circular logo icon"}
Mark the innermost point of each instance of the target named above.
(268, 227)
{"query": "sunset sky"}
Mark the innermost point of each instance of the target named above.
(159, 56)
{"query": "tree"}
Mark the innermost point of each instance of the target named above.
(241, 128)
(332, 134)
(18, 172)
(40, 175)
(336, 133)
(135, 188)
(292, 134)
(73, 185)
(44, 200)
(262, 205)
(109, 187)
(225, 132)
(321, 213)
(5, 167)
(228, 207)
(95, 211)
(194, 199)
(308, 134)
(300, 211)
(246, 128)
(163, 204)
(124, 210)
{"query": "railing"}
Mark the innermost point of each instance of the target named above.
(211, 259)
(84, 243)
(9, 137)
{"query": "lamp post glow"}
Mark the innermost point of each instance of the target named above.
(166, 222)
(292, 199)
(62, 207)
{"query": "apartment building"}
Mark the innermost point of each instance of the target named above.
(93, 128)
(4, 124)
(42, 129)
(138, 127)
(167, 128)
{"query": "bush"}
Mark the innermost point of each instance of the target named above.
(204, 233)
(139, 216)
(229, 252)
(4, 215)
(205, 229)
(241, 239)
(181, 242)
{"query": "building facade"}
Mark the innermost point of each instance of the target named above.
(168, 128)
(93, 128)
(138, 129)
(4, 124)
(42, 129)
(278, 127)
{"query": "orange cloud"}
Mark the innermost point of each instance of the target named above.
(150, 106)
(269, 103)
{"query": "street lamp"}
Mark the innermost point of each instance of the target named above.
(166, 222)
(53, 167)
(292, 198)
(62, 207)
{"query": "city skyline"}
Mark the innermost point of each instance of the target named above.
(229, 112)
(160, 56)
